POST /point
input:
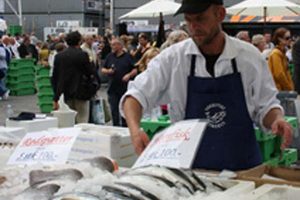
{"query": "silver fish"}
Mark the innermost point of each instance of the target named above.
(40, 176)
(37, 193)
(77, 196)
(102, 163)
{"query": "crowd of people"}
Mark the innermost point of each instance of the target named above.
(122, 58)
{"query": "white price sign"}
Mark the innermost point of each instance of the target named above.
(46, 147)
(174, 147)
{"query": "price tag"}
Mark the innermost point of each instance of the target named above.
(175, 146)
(46, 147)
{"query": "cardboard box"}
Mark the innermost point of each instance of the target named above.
(283, 176)
(34, 125)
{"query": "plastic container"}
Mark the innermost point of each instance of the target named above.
(45, 97)
(15, 29)
(23, 78)
(45, 89)
(22, 62)
(43, 80)
(65, 118)
(42, 71)
(21, 85)
(289, 156)
(269, 144)
(22, 92)
(151, 127)
(46, 107)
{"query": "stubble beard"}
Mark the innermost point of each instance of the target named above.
(210, 37)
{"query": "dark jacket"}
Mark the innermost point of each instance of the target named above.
(296, 61)
(69, 66)
(26, 50)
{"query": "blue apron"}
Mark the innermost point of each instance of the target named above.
(229, 141)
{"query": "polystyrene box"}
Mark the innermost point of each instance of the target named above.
(11, 132)
(113, 142)
(35, 124)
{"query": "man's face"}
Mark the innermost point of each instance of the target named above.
(142, 41)
(268, 37)
(89, 41)
(203, 27)
(116, 46)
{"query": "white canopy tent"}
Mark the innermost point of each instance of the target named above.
(153, 9)
(265, 8)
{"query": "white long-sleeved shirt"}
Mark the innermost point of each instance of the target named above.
(165, 80)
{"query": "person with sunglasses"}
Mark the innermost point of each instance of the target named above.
(278, 61)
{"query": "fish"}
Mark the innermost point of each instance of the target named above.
(77, 196)
(102, 163)
(115, 192)
(143, 192)
(41, 176)
(166, 174)
(148, 186)
(37, 193)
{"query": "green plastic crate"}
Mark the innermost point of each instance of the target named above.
(46, 107)
(42, 71)
(44, 80)
(22, 92)
(44, 89)
(23, 78)
(14, 29)
(20, 71)
(288, 157)
(22, 62)
(21, 85)
(269, 144)
(45, 98)
(152, 127)
(293, 121)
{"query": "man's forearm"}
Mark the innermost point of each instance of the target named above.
(271, 116)
(133, 114)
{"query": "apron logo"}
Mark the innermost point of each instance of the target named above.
(215, 113)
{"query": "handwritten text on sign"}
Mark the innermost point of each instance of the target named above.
(175, 147)
(47, 147)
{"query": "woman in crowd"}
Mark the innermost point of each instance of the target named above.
(174, 37)
(259, 42)
(278, 62)
(148, 55)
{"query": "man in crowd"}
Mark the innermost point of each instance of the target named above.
(69, 67)
(208, 74)
(119, 67)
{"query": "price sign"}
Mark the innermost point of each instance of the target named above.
(175, 146)
(46, 147)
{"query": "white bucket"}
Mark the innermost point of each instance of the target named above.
(65, 118)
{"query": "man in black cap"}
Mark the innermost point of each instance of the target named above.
(212, 76)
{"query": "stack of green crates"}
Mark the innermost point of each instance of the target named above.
(270, 147)
(15, 29)
(45, 91)
(20, 77)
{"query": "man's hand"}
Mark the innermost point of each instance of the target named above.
(55, 105)
(126, 77)
(139, 140)
(284, 129)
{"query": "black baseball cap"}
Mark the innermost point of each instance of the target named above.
(196, 6)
